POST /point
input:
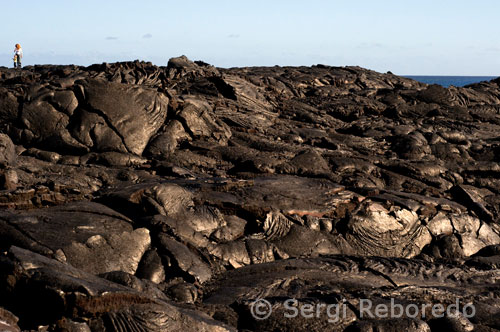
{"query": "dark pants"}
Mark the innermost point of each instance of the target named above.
(17, 61)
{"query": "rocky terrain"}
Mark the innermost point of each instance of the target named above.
(143, 198)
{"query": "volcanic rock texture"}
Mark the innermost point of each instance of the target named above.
(143, 198)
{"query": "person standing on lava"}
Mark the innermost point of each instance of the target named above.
(18, 55)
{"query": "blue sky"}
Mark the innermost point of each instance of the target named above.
(406, 37)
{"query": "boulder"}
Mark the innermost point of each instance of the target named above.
(89, 236)
(7, 151)
(128, 116)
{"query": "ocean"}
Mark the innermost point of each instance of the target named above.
(446, 81)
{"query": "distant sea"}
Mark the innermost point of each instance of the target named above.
(446, 81)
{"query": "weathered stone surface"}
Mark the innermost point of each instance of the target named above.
(166, 199)
(144, 186)
(330, 280)
(129, 115)
(7, 151)
(167, 141)
(185, 260)
(88, 236)
(376, 231)
(10, 107)
(197, 118)
(8, 321)
(118, 252)
(103, 304)
(151, 267)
